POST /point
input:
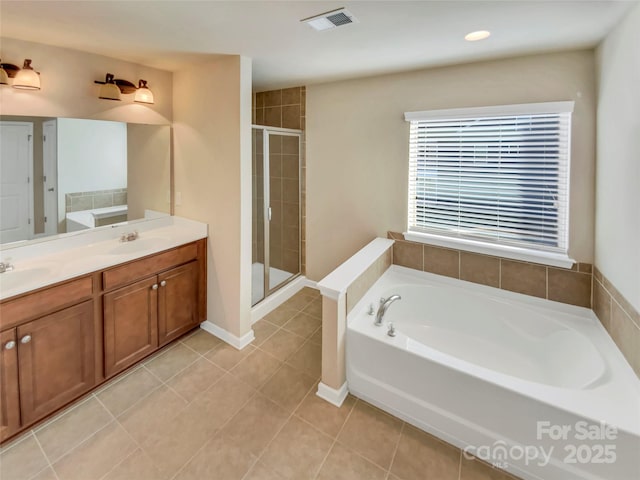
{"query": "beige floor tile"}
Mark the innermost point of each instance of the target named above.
(152, 413)
(261, 472)
(128, 390)
(46, 474)
(262, 330)
(22, 460)
(282, 344)
(201, 341)
(288, 387)
(324, 416)
(308, 359)
(195, 379)
(137, 466)
(303, 325)
(298, 302)
(281, 315)
(314, 308)
(345, 464)
(227, 357)
(256, 368)
(421, 456)
(311, 292)
(256, 424)
(478, 470)
(372, 433)
(221, 457)
(171, 362)
(96, 456)
(220, 402)
(72, 428)
(297, 451)
(317, 337)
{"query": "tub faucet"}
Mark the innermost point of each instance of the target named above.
(382, 309)
(6, 266)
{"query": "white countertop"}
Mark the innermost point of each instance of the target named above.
(45, 263)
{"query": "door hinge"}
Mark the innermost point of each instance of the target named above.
(45, 219)
(29, 137)
(44, 178)
(44, 138)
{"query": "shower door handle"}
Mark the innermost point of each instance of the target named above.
(269, 214)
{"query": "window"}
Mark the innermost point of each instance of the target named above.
(493, 177)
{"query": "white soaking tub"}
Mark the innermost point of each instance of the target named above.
(534, 386)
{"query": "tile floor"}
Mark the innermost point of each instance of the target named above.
(200, 409)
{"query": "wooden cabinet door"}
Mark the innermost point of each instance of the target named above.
(9, 398)
(130, 324)
(178, 302)
(56, 358)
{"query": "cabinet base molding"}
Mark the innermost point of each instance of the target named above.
(228, 337)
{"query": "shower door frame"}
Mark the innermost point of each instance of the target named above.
(266, 206)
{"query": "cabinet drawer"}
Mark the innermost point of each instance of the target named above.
(137, 269)
(44, 301)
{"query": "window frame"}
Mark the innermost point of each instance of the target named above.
(529, 253)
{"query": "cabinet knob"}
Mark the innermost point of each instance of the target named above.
(154, 286)
(163, 283)
(25, 339)
(10, 345)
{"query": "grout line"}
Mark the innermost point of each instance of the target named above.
(460, 465)
(395, 450)
(55, 474)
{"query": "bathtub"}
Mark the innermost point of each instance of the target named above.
(533, 386)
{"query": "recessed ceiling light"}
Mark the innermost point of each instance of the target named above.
(477, 35)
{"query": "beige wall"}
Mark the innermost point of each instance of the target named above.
(618, 166)
(357, 144)
(67, 77)
(212, 168)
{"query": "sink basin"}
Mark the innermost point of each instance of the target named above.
(15, 278)
(138, 245)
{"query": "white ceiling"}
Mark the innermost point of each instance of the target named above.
(390, 36)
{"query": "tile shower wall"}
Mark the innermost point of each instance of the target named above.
(618, 317)
(284, 108)
(79, 201)
(571, 286)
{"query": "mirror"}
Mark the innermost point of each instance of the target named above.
(63, 175)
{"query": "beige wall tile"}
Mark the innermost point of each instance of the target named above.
(291, 96)
(441, 261)
(419, 452)
(291, 116)
(291, 146)
(408, 254)
(602, 304)
(272, 98)
(481, 269)
(273, 116)
(626, 335)
(569, 287)
(524, 278)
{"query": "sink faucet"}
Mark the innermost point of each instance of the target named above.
(384, 305)
(6, 266)
(129, 237)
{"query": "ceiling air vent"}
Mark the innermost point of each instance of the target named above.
(332, 19)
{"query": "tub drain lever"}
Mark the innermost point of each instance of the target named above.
(392, 330)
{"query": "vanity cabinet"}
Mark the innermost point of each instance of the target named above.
(46, 363)
(59, 342)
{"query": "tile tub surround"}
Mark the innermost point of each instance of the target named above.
(201, 409)
(79, 201)
(618, 317)
(572, 286)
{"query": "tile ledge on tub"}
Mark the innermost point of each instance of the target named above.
(339, 280)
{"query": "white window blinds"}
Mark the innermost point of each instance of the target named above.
(497, 174)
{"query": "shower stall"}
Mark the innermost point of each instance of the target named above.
(276, 209)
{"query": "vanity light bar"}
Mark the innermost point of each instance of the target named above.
(26, 78)
(112, 88)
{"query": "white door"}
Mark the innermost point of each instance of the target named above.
(16, 186)
(50, 172)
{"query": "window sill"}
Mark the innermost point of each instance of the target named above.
(504, 251)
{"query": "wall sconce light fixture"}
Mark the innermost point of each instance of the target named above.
(112, 88)
(27, 78)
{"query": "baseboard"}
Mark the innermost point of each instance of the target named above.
(280, 296)
(331, 395)
(225, 336)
